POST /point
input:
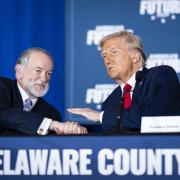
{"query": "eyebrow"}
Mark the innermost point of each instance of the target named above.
(104, 51)
(38, 67)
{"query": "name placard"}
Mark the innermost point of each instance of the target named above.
(160, 124)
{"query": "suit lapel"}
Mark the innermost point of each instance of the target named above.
(38, 106)
(140, 79)
(17, 98)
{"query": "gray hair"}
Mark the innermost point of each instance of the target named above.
(24, 57)
(133, 41)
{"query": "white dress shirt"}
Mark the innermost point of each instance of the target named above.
(44, 126)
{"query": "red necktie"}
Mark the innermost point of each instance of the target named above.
(127, 96)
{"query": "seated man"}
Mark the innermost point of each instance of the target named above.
(142, 91)
(22, 110)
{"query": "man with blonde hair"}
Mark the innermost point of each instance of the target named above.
(141, 91)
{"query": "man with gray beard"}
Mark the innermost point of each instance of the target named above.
(22, 110)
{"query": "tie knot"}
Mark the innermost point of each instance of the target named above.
(127, 88)
(27, 104)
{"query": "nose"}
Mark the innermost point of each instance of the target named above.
(43, 77)
(107, 60)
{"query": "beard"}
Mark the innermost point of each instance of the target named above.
(35, 88)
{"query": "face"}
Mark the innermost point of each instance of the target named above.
(35, 76)
(117, 59)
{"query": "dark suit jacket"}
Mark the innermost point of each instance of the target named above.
(13, 120)
(156, 93)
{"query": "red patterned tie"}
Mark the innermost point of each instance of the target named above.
(127, 96)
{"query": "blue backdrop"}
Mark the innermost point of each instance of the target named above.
(71, 31)
(33, 23)
(157, 22)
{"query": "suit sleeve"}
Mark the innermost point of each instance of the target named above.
(160, 97)
(16, 119)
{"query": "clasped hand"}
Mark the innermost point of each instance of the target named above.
(67, 128)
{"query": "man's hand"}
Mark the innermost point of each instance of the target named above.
(86, 112)
(67, 128)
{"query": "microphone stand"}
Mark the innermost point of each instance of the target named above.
(119, 117)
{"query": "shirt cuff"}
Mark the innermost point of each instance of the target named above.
(44, 126)
(101, 117)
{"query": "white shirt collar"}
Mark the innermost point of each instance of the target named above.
(25, 96)
(131, 81)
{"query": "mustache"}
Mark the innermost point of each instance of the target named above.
(40, 83)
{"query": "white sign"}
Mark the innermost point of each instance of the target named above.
(99, 93)
(171, 59)
(160, 124)
(120, 162)
(94, 36)
(160, 9)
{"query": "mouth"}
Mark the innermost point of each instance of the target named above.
(110, 68)
(41, 85)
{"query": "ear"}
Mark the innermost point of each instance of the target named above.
(19, 71)
(136, 56)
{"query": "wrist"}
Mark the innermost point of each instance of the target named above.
(52, 126)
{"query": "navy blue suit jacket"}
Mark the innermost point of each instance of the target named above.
(156, 93)
(15, 121)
